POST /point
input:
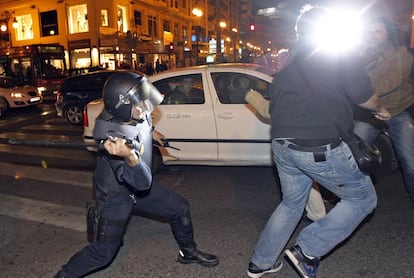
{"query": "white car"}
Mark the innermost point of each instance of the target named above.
(217, 127)
(13, 96)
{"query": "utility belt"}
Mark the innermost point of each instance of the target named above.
(316, 146)
(96, 225)
(103, 196)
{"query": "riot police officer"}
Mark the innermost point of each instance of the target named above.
(123, 180)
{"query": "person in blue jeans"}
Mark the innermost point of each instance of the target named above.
(388, 64)
(307, 147)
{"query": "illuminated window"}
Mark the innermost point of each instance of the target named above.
(24, 30)
(104, 18)
(176, 30)
(78, 19)
(81, 58)
(121, 19)
(184, 32)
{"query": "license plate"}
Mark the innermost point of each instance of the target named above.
(34, 99)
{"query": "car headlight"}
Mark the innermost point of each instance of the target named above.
(40, 90)
(17, 95)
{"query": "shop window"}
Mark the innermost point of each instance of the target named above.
(80, 58)
(78, 19)
(49, 23)
(121, 19)
(24, 30)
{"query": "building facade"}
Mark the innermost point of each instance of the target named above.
(119, 33)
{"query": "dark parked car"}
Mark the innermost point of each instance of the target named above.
(78, 71)
(79, 90)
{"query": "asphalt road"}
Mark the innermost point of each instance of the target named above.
(230, 206)
(42, 215)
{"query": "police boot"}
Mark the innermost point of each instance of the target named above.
(193, 255)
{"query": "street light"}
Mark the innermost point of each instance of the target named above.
(198, 13)
(4, 26)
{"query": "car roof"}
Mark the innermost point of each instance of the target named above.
(99, 72)
(226, 67)
(229, 67)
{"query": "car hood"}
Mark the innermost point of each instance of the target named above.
(23, 89)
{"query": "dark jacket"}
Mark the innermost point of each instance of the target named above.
(338, 82)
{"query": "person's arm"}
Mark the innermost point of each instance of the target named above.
(158, 137)
(119, 148)
(358, 87)
(259, 103)
(377, 107)
(135, 172)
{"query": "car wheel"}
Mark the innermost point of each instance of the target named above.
(157, 162)
(74, 114)
(384, 144)
(3, 106)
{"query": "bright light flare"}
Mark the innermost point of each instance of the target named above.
(338, 32)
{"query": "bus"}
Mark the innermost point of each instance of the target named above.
(40, 65)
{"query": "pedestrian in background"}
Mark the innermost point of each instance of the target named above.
(388, 64)
(306, 147)
(157, 66)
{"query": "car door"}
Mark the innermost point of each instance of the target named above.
(188, 124)
(243, 136)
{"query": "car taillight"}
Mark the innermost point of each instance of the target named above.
(85, 117)
(59, 96)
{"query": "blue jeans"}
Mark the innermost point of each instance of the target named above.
(401, 129)
(297, 170)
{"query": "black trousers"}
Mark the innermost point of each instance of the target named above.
(115, 213)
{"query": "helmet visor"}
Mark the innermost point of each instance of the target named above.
(146, 106)
(145, 91)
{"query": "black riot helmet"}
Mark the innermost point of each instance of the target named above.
(125, 90)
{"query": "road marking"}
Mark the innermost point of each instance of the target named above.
(68, 217)
(59, 176)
